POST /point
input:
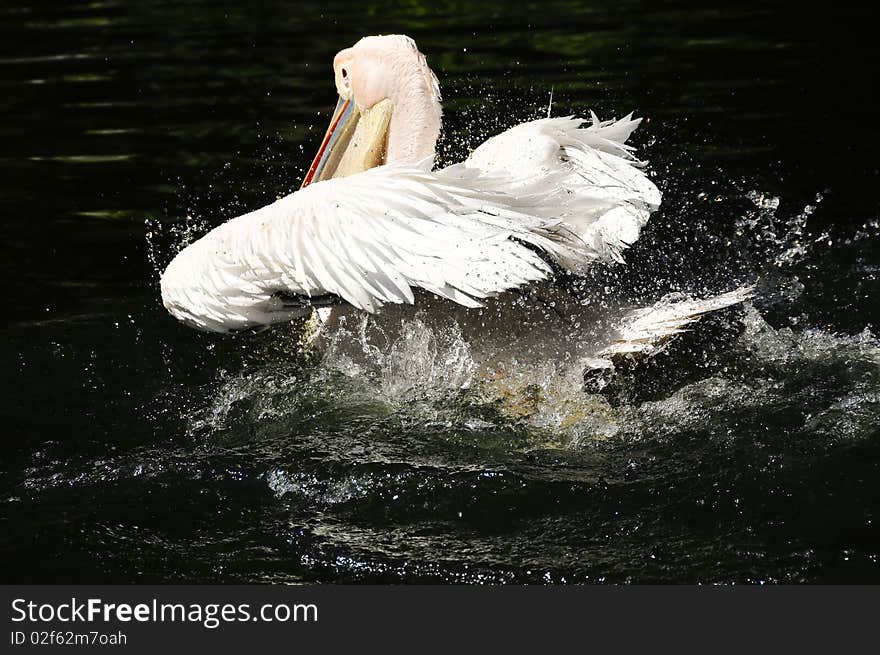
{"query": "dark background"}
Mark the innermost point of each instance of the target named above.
(136, 450)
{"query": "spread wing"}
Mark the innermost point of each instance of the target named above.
(609, 197)
(368, 239)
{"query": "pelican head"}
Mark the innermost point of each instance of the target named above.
(388, 109)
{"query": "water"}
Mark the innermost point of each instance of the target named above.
(138, 450)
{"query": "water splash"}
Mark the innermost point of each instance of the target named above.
(826, 383)
(164, 240)
(415, 362)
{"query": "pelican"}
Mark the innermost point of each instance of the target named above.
(374, 226)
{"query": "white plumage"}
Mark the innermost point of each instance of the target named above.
(546, 190)
(642, 331)
(611, 198)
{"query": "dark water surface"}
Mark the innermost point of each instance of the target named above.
(135, 449)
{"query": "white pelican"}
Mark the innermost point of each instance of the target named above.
(374, 226)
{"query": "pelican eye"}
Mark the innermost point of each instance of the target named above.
(344, 73)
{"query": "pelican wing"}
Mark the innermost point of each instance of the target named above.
(644, 331)
(367, 240)
(607, 197)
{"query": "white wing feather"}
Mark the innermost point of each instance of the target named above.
(467, 232)
(367, 239)
(608, 197)
(643, 331)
